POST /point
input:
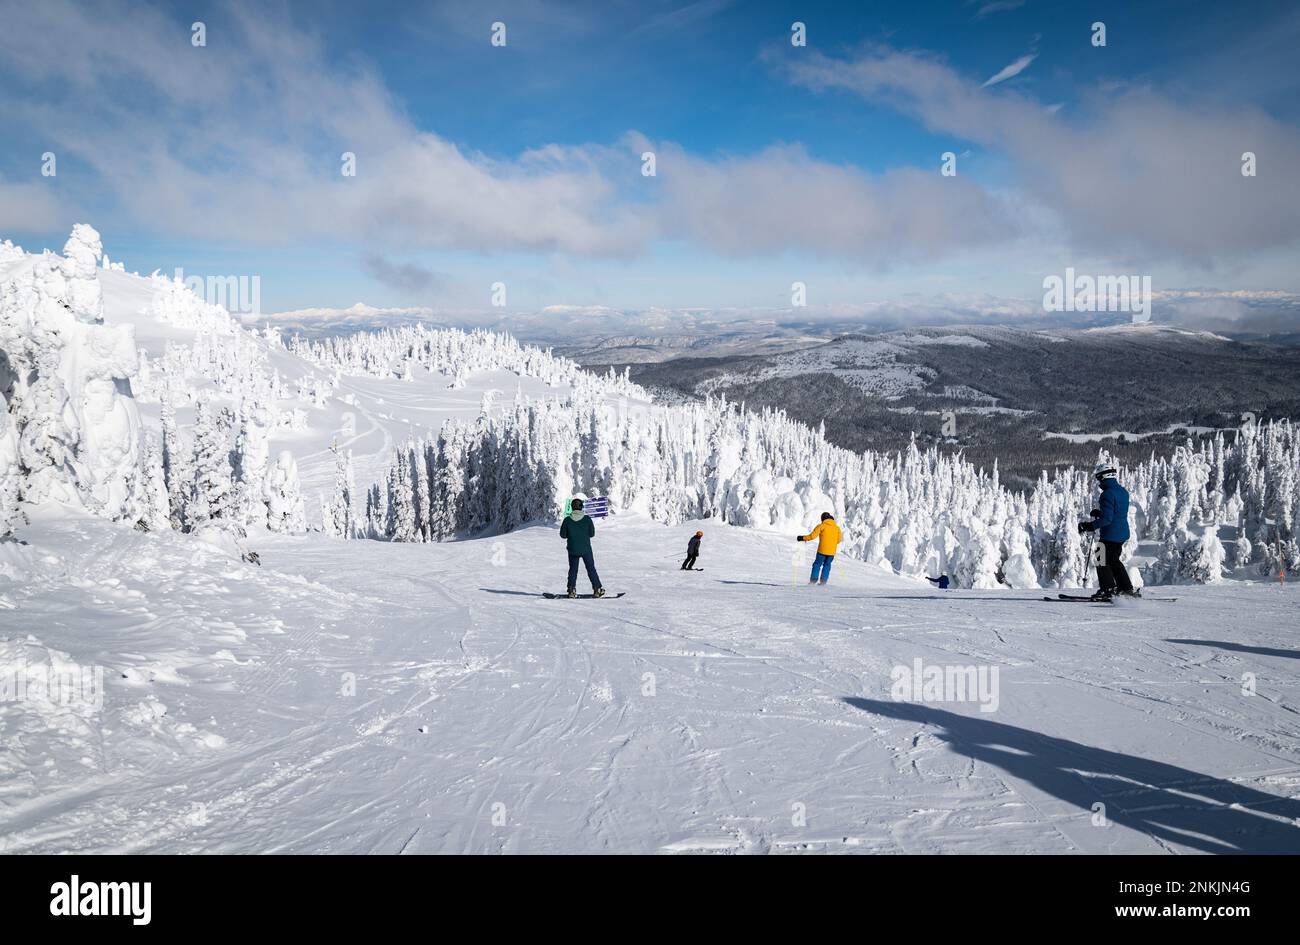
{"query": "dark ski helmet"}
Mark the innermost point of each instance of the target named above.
(826, 515)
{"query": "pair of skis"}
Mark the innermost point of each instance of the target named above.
(1078, 598)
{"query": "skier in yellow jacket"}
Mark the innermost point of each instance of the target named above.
(828, 540)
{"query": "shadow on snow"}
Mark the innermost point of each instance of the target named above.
(1242, 648)
(1164, 801)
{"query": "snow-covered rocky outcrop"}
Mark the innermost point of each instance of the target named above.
(71, 430)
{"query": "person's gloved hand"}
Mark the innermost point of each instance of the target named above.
(1095, 513)
(1085, 527)
(799, 538)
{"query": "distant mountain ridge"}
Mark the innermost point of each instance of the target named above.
(995, 391)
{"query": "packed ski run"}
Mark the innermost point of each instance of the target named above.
(268, 595)
(402, 698)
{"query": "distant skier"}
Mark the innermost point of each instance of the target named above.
(692, 552)
(1110, 522)
(828, 539)
(941, 580)
(577, 529)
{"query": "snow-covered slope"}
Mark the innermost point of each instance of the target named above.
(366, 415)
(162, 691)
(244, 433)
(385, 697)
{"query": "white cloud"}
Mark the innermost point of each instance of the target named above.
(405, 277)
(30, 206)
(1131, 173)
(1014, 69)
(243, 139)
(780, 199)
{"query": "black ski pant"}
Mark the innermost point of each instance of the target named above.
(589, 560)
(1111, 573)
(689, 563)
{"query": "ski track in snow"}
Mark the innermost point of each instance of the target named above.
(486, 719)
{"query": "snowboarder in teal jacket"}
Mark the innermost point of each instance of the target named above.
(577, 530)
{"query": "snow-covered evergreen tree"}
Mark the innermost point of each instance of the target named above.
(400, 523)
(284, 513)
(214, 491)
(10, 477)
(979, 561)
(1017, 567)
(178, 468)
(1242, 552)
(341, 515)
(155, 504)
(252, 453)
(376, 512)
(1204, 557)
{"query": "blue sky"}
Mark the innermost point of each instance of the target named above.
(521, 164)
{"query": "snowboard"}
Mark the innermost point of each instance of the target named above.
(583, 596)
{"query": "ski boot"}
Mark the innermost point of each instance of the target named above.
(1135, 592)
(598, 592)
(1103, 596)
(573, 592)
(821, 583)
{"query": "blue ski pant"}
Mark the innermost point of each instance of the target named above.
(588, 560)
(822, 564)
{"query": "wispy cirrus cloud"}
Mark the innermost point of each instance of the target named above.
(1012, 70)
(989, 7)
(681, 17)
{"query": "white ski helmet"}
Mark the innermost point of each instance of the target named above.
(1104, 470)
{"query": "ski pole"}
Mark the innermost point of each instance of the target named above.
(1092, 547)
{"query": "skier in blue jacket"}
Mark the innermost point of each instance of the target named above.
(1110, 522)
